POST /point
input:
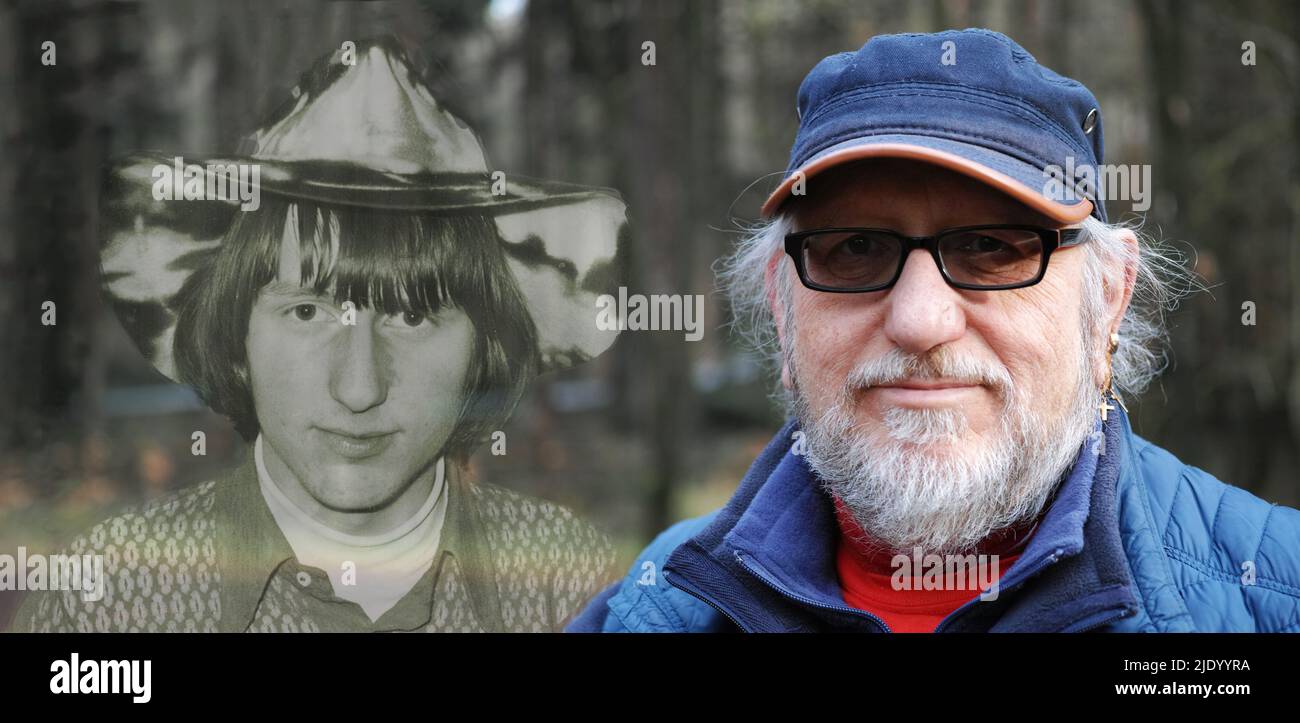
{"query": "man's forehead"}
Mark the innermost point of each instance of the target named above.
(905, 195)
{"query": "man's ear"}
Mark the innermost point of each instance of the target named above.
(1118, 291)
(774, 302)
(1118, 296)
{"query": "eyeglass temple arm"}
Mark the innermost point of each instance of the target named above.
(1071, 237)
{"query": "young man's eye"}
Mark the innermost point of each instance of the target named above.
(304, 312)
(411, 318)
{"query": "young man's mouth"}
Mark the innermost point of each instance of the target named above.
(357, 445)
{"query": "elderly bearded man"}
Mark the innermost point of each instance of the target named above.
(950, 332)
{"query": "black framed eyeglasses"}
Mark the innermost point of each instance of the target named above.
(981, 258)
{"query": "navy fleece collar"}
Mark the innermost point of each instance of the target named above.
(768, 559)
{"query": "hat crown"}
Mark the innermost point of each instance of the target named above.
(376, 113)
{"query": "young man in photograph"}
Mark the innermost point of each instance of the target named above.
(368, 309)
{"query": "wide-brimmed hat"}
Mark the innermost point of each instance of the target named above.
(364, 133)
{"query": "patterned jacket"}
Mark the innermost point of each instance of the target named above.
(211, 558)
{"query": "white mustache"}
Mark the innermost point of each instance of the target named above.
(897, 365)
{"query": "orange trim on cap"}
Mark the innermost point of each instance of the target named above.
(1061, 212)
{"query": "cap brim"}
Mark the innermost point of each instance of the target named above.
(999, 170)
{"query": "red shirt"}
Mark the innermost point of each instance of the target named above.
(869, 576)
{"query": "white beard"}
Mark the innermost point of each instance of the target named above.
(930, 482)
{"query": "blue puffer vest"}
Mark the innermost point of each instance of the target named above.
(1133, 541)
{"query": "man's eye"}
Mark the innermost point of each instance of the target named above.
(988, 244)
(981, 244)
(857, 245)
(864, 246)
(411, 319)
(304, 312)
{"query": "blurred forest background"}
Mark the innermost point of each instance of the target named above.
(656, 429)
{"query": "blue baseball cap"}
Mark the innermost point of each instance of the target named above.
(972, 101)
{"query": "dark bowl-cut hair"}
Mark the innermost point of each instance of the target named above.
(391, 261)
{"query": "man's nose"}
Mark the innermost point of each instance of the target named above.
(924, 311)
(358, 377)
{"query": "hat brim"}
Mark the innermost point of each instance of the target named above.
(340, 183)
(564, 243)
(1025, 182)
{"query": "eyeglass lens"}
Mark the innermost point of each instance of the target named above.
(865, 259)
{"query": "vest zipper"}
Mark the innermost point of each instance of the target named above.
(1037, 569)
(1123, 613)
(689, 590)
(757, 570)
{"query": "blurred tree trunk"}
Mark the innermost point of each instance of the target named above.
(670, 172)
(50, 377)
(1292, 52)
(1164, 29)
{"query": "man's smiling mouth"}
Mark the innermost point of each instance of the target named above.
(926, 392)
(930, 384)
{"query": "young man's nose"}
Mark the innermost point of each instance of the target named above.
(924, 311)
(358, 374)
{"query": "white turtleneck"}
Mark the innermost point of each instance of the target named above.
(387, 565)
